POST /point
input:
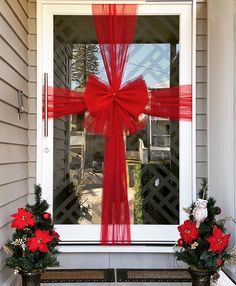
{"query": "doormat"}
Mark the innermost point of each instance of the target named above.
(78, 275)
(153, 275)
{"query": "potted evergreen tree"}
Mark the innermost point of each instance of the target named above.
(33, 246)
(203, 244)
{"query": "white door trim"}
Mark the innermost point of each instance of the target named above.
(142, 233)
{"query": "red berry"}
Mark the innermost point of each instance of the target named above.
(218, 211)
(46, 216)
(180, 242)
(219, 262)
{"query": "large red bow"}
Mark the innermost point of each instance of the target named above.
(115, 111)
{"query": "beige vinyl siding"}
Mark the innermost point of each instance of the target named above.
(222, 90)
(201, 86)
(13, 132)
(32, 93)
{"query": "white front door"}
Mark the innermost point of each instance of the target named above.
(159, 161)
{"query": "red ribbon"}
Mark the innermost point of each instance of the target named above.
(111, 114)
(174, 103)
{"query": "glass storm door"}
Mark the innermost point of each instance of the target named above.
(158, 159)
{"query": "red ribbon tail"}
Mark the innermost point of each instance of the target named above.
(115, 206)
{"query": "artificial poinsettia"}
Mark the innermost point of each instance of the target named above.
(218, 241)
(188, 231)
(39, 241)
(22, 219)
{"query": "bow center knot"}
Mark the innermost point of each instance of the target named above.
(114, 97)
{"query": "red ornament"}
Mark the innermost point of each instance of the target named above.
(22, 219)
(188, 231)
(219, 262)
(39, 241)
(180, 242)
(46, 216)
(218, 241)
(218, 210)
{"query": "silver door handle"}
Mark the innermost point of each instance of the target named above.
(45, 86)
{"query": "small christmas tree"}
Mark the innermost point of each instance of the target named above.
(34, 243)
(203, 243)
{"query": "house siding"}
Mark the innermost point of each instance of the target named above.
(13, 131)
(201, 93)
(222, 87)
(32, 93)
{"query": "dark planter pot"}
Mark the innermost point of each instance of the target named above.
(30, 278)
(200, 277)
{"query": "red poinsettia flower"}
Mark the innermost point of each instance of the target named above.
(22, 219)
(218, 241)
(39, 241)
(56, 235)
(188, 231)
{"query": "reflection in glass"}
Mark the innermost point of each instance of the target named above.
(152, 155)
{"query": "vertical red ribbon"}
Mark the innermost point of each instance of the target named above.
(112, 114)
(115, 27)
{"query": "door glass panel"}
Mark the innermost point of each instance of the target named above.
(152, 155)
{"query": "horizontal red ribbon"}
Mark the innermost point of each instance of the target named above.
(64, 101)
(174, 103)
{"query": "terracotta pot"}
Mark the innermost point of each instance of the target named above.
(200, 277)
(30, 278)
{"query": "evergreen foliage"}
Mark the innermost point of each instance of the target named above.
(138, 199)
(84, 62)
(21, 257)
(199, 253)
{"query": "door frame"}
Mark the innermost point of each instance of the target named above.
(167, 234)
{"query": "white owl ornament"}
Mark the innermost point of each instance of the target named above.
(200, 211)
